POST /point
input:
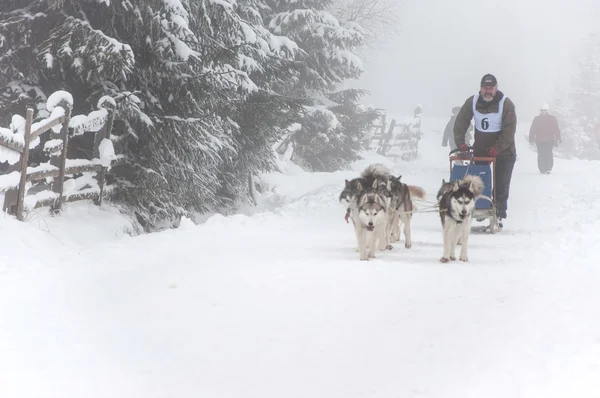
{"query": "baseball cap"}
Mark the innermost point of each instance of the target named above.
(488, 80)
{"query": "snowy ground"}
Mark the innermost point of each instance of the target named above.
(276, 303)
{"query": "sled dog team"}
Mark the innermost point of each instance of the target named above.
(378, 203)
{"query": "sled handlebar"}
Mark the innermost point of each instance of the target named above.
(468, 153)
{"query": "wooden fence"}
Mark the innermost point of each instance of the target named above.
(400, 135)
(16, 143)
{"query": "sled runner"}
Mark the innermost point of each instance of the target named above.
(462, 163)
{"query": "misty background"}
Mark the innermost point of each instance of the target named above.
(442, 49)
(209, 96)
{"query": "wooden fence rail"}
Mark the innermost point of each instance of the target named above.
(59, 169)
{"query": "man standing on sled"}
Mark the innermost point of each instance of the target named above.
(495, 125)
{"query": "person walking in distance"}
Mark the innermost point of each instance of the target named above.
(448, 136)
(495, 123)
(545, 133)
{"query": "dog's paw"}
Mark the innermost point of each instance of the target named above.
(364, 259)
(463, 258)
(444, 260)
(408, 245)
(389, 247)
(452, 258)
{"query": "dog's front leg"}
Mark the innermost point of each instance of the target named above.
(455, 235)
(383, 237)
(361, 239)
(372, 241)
(396, 228)
(466, 232)
(447, 236)
(388, 234)
(406, 221)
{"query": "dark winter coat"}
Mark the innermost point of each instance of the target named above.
(544, 128)
(504, 141)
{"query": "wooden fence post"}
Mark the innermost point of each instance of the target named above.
(388, 138)
(102, 134)
(61, 161)
(24, 163)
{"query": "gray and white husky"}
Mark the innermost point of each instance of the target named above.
(456, 202)
(375, 176)
(370, 222)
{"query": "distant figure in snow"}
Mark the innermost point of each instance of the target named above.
(416, 122)
(545, 134)
(448, 137)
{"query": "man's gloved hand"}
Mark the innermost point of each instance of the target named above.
(492, 152)
(463, 147)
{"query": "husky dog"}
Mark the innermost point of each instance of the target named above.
(456, 203)
(370, 221)
(375, 176)
(352, 189)
(401, 209)
(377, 193)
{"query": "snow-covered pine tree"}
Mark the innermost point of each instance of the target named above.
(576, 141)
(577, 108)
(175, 67)
(264, 114)
(585, 83)
(328, 59)
(332, 136)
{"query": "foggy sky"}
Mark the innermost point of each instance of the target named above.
(445, 47)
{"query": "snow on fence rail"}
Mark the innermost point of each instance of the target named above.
(407, 139)
(23, 135)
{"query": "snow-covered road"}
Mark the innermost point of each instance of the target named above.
(276, 304)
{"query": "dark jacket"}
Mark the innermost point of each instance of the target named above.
(503, 142)
(544, 128)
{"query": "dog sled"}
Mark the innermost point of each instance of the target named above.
(463, 163)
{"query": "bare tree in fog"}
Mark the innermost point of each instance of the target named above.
(379, 19)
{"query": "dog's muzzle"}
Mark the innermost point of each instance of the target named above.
(370, 227)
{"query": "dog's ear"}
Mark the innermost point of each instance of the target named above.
(375, 183)
(443, 181)
(389, 185)
(380, 201)
(359, 186)
(456, 186)
(347, 183)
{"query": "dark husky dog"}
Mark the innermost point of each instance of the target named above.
(401, 209)
(456, 202)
